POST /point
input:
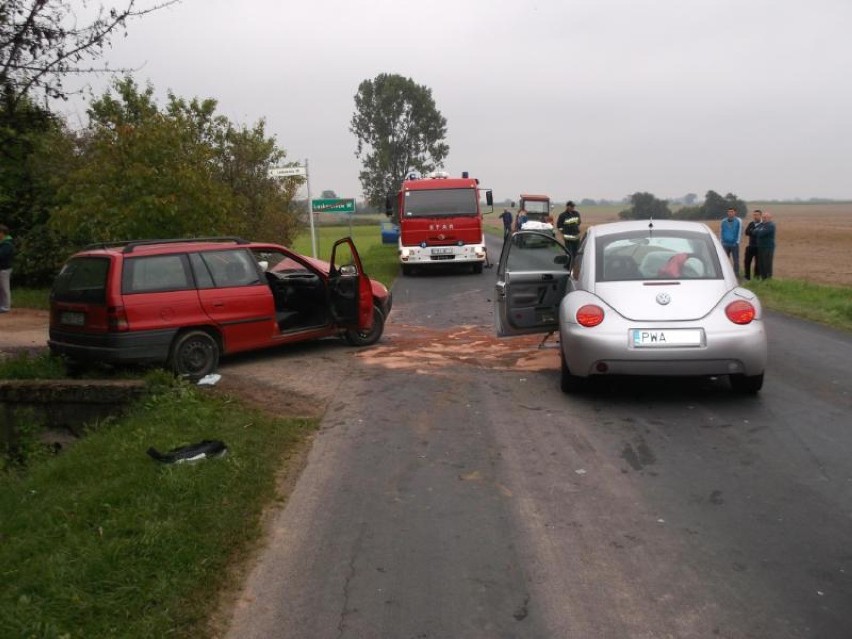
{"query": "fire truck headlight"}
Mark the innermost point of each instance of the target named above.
(404, 254)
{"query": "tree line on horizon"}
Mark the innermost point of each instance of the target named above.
(645, 205)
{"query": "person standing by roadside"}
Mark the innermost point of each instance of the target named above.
(751, 249)
(507, 223)
(765, 234)
(7, 251)
(730, 233)
(568, 224)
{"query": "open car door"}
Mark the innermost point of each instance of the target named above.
(351, 296)
(532, 278)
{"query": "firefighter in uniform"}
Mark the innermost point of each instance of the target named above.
(568, 224)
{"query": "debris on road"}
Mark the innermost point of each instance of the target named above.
(204, 449)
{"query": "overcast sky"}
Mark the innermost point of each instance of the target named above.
(573, 98)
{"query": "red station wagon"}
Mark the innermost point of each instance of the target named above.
(185, 302)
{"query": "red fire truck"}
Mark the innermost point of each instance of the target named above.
(440, 221)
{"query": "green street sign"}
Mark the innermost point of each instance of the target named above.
(344, 205)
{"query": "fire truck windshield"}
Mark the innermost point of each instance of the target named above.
(441, 203)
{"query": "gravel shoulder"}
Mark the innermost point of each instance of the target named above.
(23, 328)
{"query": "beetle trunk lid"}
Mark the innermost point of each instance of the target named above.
(662, 301)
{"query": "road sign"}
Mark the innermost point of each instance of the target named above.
(287, 171)
(344, 205)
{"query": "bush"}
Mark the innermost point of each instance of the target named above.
(39, 256)
(690, 213)
(645, 206)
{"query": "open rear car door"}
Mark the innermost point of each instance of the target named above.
(351, 296)
(532, 278)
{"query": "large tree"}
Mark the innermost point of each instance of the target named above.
(146, 172)
(37, 152)
(43, 41)
(20, 134)
(398, 128)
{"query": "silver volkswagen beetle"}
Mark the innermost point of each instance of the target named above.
(639, 298)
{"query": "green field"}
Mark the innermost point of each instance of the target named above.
(380, 260)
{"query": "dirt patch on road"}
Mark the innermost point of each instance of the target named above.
(426, 351)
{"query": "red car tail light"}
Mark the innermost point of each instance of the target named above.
(117, 319)
(590, 315)
(740, 312)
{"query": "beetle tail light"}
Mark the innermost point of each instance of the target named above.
(590, 315)
(741, 312)
(117, 319)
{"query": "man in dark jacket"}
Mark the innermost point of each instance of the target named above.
(765, 234)
(568, 224)
(751, 249)
(7, 251)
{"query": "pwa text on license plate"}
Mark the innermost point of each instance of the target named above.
(668, 337)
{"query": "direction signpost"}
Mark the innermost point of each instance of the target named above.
(288, 171)
(335, 205)
(280, 172)
(324, 205)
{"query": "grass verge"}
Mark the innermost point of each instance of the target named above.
(830, 305)
(102, 541)
(26, 366)
(37, 298)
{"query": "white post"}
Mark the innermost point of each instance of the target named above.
(311, 211)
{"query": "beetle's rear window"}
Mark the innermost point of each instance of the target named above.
(82, 279)
(661, 255)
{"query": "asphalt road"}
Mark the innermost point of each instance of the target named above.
(455, 493)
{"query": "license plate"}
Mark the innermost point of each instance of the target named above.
(645, 338)
(442, 251)
(72, 319)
